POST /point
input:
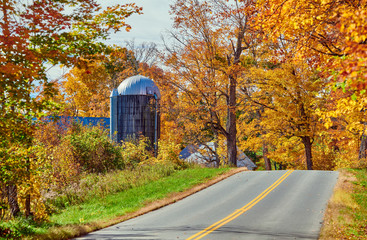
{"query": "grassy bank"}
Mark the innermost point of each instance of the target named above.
(346, 216)
(101, 211)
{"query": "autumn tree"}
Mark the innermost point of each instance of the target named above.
(210, 38)
(89, 84)
(33, 33)
(345, 117)
(332, 32)
(288, 97)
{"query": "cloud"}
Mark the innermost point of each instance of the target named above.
(146, 27)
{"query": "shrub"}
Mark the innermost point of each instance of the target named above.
(136, 151)
(24, 167)
(93, 150)
(82, 162)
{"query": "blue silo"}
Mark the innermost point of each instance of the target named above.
(135, 109)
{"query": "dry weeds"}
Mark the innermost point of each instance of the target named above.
(338, 213)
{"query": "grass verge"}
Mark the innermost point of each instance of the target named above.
(346, 215)
(97, 213)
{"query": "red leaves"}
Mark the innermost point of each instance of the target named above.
(46, 31)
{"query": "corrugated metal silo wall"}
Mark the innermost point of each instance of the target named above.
(136, 116)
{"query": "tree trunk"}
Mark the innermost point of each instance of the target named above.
(363, 148)
(12, 192)
(28, 205)
(217, 159)
(28, 197)
(232, 99)
(266, 159)
(307, 143)
(215, 133)
(231, 124)
(232, 151)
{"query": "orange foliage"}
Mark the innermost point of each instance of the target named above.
(88, 85)
(332, 33)
(34, 33)
(206, 67)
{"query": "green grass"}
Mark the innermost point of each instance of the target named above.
(346, 216)
(127, 201)
(99, 211)
(358, 229)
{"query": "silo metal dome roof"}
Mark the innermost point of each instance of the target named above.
(138, 85)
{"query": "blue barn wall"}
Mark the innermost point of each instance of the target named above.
(93, 121)
(86, 121)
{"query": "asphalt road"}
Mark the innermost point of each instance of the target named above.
(248, 205)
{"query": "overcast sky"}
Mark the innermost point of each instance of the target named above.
(146, 27)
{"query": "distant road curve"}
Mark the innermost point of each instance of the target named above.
(248, 205)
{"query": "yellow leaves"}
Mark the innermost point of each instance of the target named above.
(353, 67)
(287, 151)
(168, 152)
(25, 166)
(88, 86)
(321, 30)
(137, 153)
(352, 23)
(328, 123)
(296, 25)
(286, 102)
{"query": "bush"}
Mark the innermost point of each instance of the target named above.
(80, 162)
(136, 151)
(93, 150)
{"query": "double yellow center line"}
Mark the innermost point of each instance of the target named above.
(240, 211)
